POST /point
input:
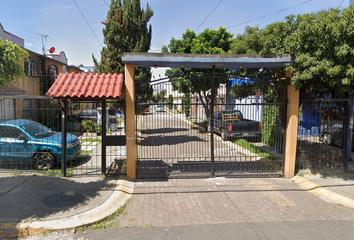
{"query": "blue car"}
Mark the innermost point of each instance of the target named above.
(27, 140)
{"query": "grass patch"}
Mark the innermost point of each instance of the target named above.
(300, 174)
(91, 140)
(110, 222)
(254, 149)
(85, 153)
(15, 173)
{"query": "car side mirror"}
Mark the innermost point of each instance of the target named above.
(22, 136)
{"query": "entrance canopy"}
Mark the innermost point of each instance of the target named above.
(206, 60)
(83, 86)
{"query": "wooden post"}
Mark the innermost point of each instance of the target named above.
(130, 120)
(291, 131)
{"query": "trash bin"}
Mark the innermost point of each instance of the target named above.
(113, 126)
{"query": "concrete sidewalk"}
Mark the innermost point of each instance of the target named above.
(334, 185)
(31, 203)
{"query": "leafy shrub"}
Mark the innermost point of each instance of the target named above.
(99, 128)
(71, 120)
(89, 126)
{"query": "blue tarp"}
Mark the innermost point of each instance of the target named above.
(239, 81)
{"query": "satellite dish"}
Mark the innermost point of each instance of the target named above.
(52, 49)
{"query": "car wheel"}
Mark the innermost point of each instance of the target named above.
(44, 161)
(327, 139)
(223, 135)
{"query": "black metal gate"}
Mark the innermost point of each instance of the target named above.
(174, 137)
(325, 138)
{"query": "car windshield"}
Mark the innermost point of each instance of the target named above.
(37, 130)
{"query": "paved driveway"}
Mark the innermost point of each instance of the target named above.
(226, 200)
(168, 142)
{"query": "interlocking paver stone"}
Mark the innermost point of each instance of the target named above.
(226, 200)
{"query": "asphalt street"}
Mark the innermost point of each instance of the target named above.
(324, 230)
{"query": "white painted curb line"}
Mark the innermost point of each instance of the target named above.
(323, 192)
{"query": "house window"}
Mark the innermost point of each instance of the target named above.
(53, 70)
(30, 67)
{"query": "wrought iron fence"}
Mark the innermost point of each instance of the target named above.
(322, 134)
(31, 137)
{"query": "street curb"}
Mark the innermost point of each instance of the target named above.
(323, 192)
(122, 192)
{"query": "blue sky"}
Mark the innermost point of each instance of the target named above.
(68, 31)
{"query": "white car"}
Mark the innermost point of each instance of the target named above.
(159, 108)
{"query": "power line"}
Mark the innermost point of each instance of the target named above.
(209, 15)
(87, 23)
(341, 3)
(270, 14)
(106, 3)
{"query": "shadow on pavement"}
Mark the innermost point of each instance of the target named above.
(168, 140)
(163, 130)
(32, 197)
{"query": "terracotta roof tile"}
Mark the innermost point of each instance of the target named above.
(87, 86)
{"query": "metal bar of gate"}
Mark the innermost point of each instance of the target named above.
(103, 123)
(347, 128)
(63, 135)
(212, 123)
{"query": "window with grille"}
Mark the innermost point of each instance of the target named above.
(30, 67)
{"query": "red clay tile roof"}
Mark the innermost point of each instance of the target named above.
(87, 86)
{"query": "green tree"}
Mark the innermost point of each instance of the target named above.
(126, 30)
(170, 101)
(323, 45)
(11, 59)
(270, 82)
(161, 96)
(186, 101)
(197, 81)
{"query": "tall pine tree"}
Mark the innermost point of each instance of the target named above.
(126, 30)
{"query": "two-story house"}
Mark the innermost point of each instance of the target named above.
(41, 71)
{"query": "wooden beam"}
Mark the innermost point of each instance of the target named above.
(130, 120)
(291, 131)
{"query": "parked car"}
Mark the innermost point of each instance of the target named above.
(111, 116)
(232, 124)
(87, 115)
(333, 136)
(27, 140)
(159, 108)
